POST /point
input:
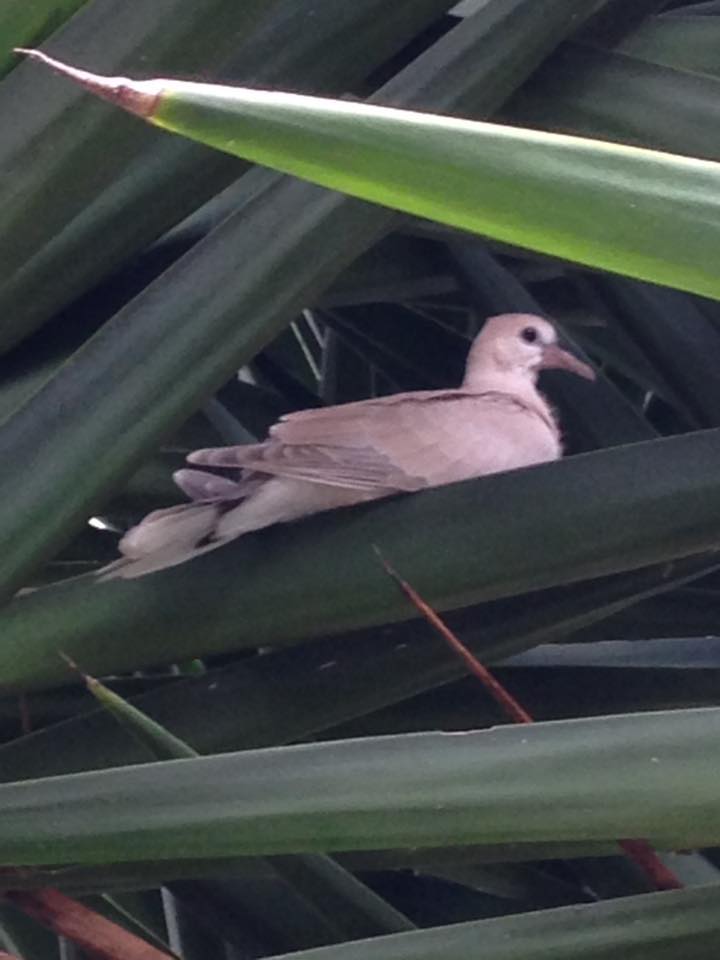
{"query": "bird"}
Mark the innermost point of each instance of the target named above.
(336, 456)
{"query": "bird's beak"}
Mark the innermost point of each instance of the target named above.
(555, 357)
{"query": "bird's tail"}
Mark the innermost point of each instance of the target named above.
(163, 539)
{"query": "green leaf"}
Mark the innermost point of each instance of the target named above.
(302, 900)
(676, 337)
(681, 925)
(652, 775)
(636, 212)
(616, 19)
(688, 42)
(295, 694)
(599, 93)
(50, 148)
(143, 875)
(68, 218)
(162, 744)
(620, 509)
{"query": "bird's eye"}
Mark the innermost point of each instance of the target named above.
(529, 334)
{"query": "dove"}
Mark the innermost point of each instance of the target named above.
(331, 457)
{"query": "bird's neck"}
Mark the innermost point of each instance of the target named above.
(519, 384)
(515, 381)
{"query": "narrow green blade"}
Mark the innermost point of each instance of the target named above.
(637, 212)
(689, 42)
(654, 775)
(317, 899)
(297, 693)
(681, 925)
(70, 218)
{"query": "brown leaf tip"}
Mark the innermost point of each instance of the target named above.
(138, 97)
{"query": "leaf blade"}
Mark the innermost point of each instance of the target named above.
(546, 781)
(630, 210)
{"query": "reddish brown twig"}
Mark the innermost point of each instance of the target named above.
(639, 851)
(497, 691)
(644, 856)
(94, 934)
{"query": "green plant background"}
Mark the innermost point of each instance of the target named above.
(290, 761)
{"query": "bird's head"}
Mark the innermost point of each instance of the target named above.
(519, 345)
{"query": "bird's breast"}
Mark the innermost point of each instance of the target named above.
(489, 435)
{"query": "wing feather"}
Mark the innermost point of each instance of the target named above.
(398, 443)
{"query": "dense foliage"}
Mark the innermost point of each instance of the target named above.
(157, 296)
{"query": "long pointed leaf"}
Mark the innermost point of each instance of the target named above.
(637, 212)
(681, 925)
(654, 775)
(70, 228)
(308, 899)
(48, 153)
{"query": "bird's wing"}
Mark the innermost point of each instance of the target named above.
(356, 467)
(405, 442)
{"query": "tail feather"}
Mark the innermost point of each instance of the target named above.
(163, 539)
(201, 485)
